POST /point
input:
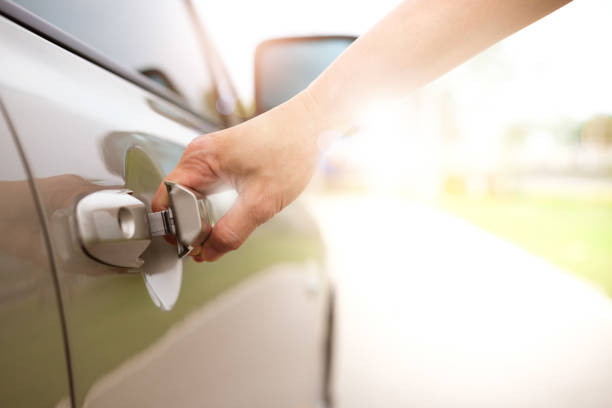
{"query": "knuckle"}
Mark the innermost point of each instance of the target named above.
(227, 238)
(201, 149)
(263, 208)
(262, 213)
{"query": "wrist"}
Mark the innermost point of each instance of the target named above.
(313, 105)
(330, 105)
(323, 127)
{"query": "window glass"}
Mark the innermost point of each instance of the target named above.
(156, 39)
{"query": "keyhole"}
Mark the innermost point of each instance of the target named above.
(126, 222)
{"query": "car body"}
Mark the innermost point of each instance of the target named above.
(252, 329)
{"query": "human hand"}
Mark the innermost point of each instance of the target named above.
(268, 160)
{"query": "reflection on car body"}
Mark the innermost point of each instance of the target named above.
(249, 330)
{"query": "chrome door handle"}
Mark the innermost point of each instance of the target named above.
(189, 218)
(115, 228)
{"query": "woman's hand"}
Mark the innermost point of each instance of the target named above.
(268, 160)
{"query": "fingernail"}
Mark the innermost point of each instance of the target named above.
(211, 254)
(198, 258)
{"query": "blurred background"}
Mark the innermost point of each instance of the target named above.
(517, 140)
(468, 226)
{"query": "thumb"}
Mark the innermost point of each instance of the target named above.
(195, 170)
(201, 182)
(236, 225)
(160, 200)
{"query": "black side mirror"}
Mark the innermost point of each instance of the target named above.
(286, 66)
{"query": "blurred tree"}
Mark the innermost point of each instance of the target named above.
(597, 131)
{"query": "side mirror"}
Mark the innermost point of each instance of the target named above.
(286, 66)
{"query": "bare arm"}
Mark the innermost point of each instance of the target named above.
(270, 159)
(416, 43)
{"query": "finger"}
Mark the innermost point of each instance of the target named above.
(194, 170)
(197, 248)
(195, 251)
(234, 227)
(160, 199)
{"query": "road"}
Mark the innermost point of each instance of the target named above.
(434, 312)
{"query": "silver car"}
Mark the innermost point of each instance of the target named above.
(104, 96)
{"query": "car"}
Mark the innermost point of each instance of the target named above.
(103, 97)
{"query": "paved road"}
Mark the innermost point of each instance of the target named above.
(434, 312)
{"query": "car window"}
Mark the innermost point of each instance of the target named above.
(159, 41)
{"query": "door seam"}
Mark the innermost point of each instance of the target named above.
(47, 240)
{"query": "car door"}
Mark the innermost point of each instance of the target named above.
(31, 339)
(248, 330)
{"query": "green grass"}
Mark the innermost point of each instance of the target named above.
(574, 233)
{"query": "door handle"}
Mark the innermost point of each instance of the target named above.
(114, 227)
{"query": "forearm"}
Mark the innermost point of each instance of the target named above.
(414, 44)
(270, 159)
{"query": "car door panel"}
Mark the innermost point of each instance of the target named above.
(247, 328)
(31, 340)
